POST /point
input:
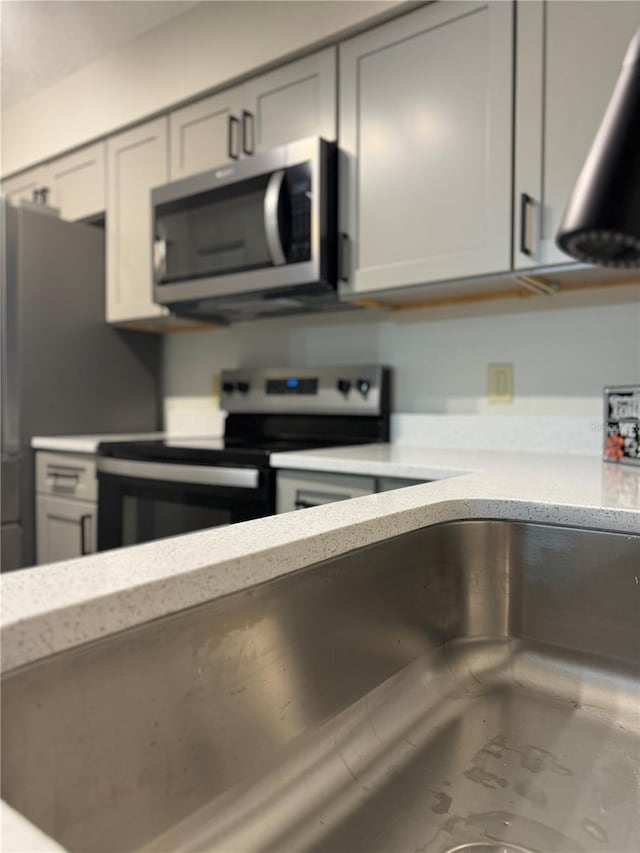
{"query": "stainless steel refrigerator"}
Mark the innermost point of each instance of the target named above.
(64, 370)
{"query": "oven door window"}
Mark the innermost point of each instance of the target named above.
(146, 517)
(132, 510)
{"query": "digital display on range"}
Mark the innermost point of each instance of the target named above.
(291, 385)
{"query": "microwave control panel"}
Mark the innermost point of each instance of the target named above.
(299, 191)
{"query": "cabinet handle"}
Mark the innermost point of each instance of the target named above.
(40, 195)
(83, 534)
(62, 481)
(525, 202)
(343, 257)
(233, 129)
(248, 122)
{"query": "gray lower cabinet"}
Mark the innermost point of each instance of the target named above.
(388, 484)
(425, 137)
(64, 528)
(66, 506)
(305, 489)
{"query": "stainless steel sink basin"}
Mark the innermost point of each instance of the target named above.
(473, 686)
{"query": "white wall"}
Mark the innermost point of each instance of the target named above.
(200, 50)
(562, 357)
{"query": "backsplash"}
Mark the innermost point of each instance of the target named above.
(562, 358)
(568, 435)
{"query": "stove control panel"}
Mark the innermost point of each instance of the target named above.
(291, 385)
(349, 390)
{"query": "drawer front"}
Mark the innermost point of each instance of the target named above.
(67, 475)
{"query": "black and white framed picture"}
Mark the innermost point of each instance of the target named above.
(622, 424)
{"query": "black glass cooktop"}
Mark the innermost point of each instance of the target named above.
(250, 439)
(206, 451)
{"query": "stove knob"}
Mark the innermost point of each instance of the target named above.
(343, 386)
(363, 386)
(243, 387)
(228, 387)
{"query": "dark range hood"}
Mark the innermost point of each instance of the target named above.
(602, 222)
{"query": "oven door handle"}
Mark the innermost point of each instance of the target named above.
(271, 220)
(208, 475)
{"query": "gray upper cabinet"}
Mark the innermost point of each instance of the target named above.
(137, 161)
(77, 182)
(569, 57)
(292, 102)
(21, 187)
(205, 134)
(426, 139)
(74, 183)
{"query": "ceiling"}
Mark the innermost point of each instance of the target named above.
(43, 41)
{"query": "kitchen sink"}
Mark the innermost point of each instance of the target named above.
(472, 686)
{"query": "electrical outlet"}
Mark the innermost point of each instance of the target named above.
(500, 384)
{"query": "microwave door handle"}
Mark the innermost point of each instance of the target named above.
(271, 223)
(159, 259)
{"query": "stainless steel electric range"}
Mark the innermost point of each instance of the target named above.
(152, 489)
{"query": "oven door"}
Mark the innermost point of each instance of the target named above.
(261, 224)
(142, 501)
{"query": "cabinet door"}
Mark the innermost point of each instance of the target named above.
(569, 57)
(292, 102)
(205, 134)
(65, 529)
(77, 182)
(21, 187)
(137, 161)
(426, 132)
(306, 489)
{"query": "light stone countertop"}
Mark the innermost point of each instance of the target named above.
(390, 460)
(51, 608)
(86, 443)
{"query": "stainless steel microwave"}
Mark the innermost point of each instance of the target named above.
(254, 237)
